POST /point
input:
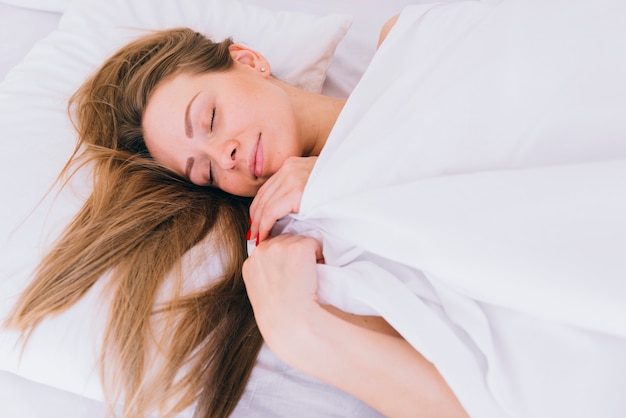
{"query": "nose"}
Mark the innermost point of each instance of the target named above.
(225, 154)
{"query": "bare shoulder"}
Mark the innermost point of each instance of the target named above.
(387, 28)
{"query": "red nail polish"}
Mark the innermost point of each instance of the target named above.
(257, 241)
(248, 234)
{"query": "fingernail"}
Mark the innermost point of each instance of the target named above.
(257, 241)
(248, 234)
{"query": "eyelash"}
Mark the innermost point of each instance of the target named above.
(211, 128)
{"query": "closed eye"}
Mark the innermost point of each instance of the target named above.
(212, 119)
(188, 168)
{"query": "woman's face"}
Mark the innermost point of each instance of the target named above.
(231, 130)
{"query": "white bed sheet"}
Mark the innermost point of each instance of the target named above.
(493, 238)
(21, 28)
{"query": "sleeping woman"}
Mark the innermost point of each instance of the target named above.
(381, 282)
(158, 191)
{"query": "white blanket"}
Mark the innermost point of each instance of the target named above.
(473, 193)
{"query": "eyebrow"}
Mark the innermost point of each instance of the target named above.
(188, 125)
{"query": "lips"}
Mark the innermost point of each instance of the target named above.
(255, 161)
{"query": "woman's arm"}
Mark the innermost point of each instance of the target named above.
(356, 354)
(383, 371)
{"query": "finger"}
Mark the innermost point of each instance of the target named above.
(279, 196)
(262, 194)
(260, 203)
(310, 246)
(283, 202)
(268, 220)
(317, 247)
(280, 207)
(319, 254)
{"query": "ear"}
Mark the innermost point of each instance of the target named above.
(249, 58)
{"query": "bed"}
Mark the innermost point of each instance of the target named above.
(55, 376)
(558, 206)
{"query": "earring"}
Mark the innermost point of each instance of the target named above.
(262, 69)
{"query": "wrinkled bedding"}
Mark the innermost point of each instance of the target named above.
(473, 194)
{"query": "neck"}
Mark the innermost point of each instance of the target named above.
(316, 115)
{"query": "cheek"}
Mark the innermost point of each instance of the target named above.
(238, 185)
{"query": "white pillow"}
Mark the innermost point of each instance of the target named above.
(37, 139)
(57, 6)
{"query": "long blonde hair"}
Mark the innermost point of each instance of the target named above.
(136, 225)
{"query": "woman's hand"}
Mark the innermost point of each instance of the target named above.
(279, 196)
(281, 281)
(379, 368)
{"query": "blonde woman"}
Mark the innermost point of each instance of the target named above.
(183, 132)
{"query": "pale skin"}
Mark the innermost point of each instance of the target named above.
(249, 134)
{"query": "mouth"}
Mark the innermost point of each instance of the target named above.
(255, 161)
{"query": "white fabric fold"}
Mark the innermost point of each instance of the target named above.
(473, 194)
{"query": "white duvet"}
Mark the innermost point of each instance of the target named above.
(473, 193)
